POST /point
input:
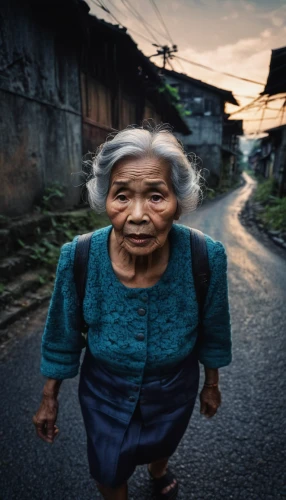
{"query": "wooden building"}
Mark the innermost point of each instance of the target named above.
(205, 105)
(276, 86)
(67, 80)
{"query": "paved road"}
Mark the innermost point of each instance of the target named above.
(239, 454)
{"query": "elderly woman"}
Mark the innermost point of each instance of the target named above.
(140, 374)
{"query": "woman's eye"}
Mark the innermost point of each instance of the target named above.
(156, 197)
(121, 197)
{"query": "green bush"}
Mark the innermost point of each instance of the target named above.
(274, 216)
(265, 191)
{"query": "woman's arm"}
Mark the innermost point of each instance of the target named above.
(215, 342)
(211, 376)
(46, 416)
(210, 396)
(62, 341)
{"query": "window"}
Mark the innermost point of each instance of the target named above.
(209, 107)
(197, 105)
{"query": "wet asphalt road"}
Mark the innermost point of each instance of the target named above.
(240, 454)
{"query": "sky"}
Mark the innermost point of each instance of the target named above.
(234, 36)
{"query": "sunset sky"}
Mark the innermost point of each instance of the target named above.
(233, 36)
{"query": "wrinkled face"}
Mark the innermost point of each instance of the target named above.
(141, 204)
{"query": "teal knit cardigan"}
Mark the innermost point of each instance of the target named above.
(136, 331)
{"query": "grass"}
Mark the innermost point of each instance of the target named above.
(273, 215)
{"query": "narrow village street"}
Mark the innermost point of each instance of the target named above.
(239, 454)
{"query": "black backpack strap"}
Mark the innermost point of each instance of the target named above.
(201, 269)
(80, 271)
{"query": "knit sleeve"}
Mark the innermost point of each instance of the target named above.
(215, 344)
(61, 341)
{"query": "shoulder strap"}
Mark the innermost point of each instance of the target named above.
(80, 268)
(201, 269)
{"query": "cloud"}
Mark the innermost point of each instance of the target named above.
(266, 33)
(277, 21)
(249, 7)
(248, 57)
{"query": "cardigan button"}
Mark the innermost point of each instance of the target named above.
(145, 298)
(131, 399)
(140, 336)
(141, 311)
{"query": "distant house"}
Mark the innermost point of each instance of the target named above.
(261, 159)
(232, 130)
(276, 142)
(67, 80)
(213, 138)
(275, 85)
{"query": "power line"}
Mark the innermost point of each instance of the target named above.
(259, 119)
(138, 16)
(220, 72)
(244, 108)
(100, 4)
(261, 100)
(245, 96)
(116, 8)
(105, 9)
(161, 20)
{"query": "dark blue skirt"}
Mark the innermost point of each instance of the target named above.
(129, 425)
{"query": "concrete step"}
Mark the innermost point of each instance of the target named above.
(29, 229)
(28, 302)
(12, 266)
(28, 281)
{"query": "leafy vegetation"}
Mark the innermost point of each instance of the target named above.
(52, 194)
(273, 214)
(45, 250)
(174, 95)
(265, 191)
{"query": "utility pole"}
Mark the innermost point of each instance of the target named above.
(165, 51)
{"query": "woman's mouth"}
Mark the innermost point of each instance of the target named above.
(139, 239)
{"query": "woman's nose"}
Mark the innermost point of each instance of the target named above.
(138, 214)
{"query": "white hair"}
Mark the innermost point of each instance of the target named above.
(138, 143)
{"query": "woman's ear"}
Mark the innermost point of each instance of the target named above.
(178, 212)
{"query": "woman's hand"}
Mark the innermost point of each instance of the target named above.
(46, 416)
(210, 398)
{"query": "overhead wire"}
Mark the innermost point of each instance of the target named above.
(116, 8)
(244, 108)
(158, 14)
(259, 119)
(100, 4)
(105, 9)
(218, 71)
(169, 38)
(140, 18)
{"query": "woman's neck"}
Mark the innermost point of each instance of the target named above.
(138, 270)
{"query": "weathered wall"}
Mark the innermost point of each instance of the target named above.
(207, 129)
(40, 108)
(279, 170)
(209, 159)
